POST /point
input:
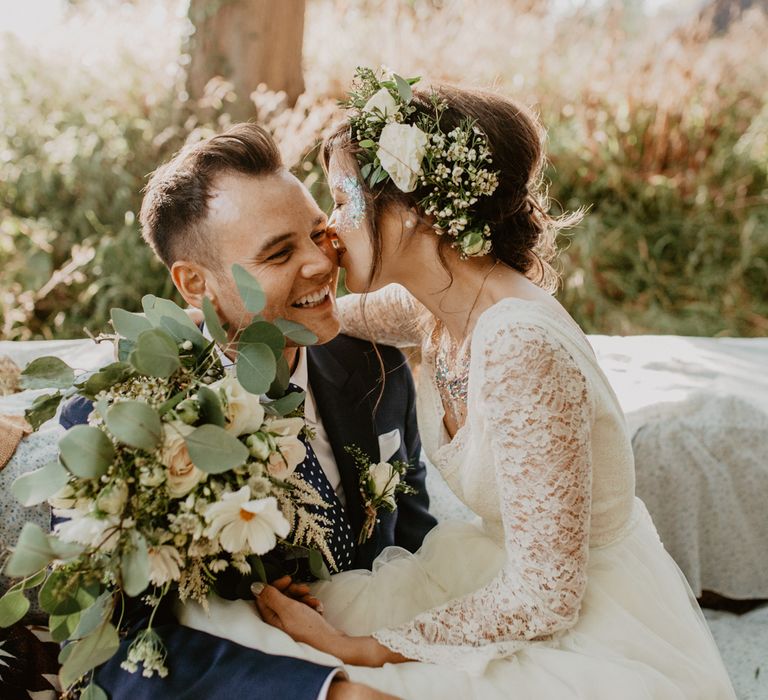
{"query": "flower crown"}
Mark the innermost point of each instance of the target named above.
(409, 147)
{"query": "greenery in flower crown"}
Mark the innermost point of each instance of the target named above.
(184, 471)
(408, 146)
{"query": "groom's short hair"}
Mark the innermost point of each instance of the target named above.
(176, 197)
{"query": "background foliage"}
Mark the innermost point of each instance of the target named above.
(656, 122)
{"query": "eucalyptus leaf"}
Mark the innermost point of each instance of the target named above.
(288, 403)
(88, 653)
(155, 354)
(94, 616)
(256, 367)
(86, 451)
(281, 380)
(124, 349)
(62, 626)
(212, 323)
(317, 566)
(134, 565)
(62, 595)
(105, 378)
(184, 331)
(210, 407)
(43, 408)
(250, 290)
(129, 325)
(403, 88)
(38, 486)
(365, 171)
(148, 305)
(35, 580)
(296, 332)
(135, 423)
(263, 332)
(32, 552)
(47, 373)
(13, 606)
(214, 450)
(93, 692)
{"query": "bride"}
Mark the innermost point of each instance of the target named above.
(562, 588)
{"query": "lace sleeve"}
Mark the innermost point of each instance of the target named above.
(538, 415)
(390, 316)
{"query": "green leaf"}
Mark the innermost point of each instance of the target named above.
(38, 486)
(105, 378)
(296, 332)
(367, 143)
(89, 653)
(403, 88)
(365, 171)
(214, 450)
(263, 332)
(134, 565)
(250, 290)
(124, 349)
(86, 451)
(256, 367)
(210, 407)
(379, 176)
(177, 322)
(43, 408)
(135, 423)
(257, 566)
(212, 323)
(63, 595)
(93, 692)
(156, 354)
(129, 325)
(282, 379)
(317, 566)
(288, 403)
(148, 304)
(94, 616)
(47, 372)
(32, 552)
(63, 626)
(35, 580)
(13, 606)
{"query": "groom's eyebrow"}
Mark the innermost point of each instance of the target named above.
(274, 241)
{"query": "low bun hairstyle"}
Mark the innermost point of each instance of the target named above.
(523, 234)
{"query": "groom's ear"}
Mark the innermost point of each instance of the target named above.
(190, 279)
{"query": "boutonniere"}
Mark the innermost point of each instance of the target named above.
(380, 482)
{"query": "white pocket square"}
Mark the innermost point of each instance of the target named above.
(389, 443)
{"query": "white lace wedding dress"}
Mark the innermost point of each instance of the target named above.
(562, 588)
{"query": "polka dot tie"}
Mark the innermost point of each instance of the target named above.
(341, 540)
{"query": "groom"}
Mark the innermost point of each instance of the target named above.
(228, 200)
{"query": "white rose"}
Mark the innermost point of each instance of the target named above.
(243, 410)
(182, 474)
(112, 499)
(385, 478)
(401, 150)
(383, 101)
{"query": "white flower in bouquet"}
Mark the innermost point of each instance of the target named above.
(182, 474)
(64, 498)
(258, 446)
(291, 451)
(113, 498)
(384, 102)
(401, 151)
(243, 524)
(84, 528)
(243, 410)
(164, 564)
(385, 480)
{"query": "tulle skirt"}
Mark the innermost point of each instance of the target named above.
(640, 633)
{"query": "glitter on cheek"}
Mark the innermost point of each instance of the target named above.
(352, 213)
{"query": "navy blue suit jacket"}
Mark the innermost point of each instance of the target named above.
(356, 407)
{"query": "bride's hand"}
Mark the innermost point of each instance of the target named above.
(298, 620)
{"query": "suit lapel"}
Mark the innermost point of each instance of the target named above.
(347, 415)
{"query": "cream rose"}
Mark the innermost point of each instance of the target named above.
(291, 451)
(182, 475)
(401, 150)
(243, 410)
(385, 480)
(383, 101)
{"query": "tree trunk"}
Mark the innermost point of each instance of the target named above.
(246, 43)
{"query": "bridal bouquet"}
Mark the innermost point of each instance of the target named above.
(183, 471)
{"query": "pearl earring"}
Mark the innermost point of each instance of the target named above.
(409, 223)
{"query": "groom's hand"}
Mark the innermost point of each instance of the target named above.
(298, 591)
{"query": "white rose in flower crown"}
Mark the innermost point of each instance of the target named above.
(401, 151)
(182, 475)
(243, 410)
(385, 479)
(383, 101)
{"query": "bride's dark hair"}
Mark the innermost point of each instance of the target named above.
(522, 231)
